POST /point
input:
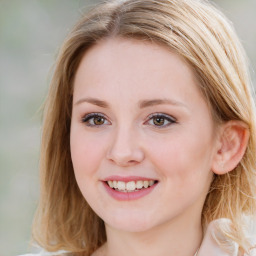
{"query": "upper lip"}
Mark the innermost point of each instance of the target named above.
(127, 178)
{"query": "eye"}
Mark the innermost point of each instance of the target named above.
(95, 119)
(161, 120)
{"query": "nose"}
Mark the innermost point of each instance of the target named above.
(125, 149)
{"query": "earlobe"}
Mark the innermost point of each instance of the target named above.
(232, 144)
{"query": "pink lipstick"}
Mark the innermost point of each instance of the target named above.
(129, 188)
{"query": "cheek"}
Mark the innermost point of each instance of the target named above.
(182, 157)
(86, 152)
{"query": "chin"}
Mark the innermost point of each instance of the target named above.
(130, 222)
(131, 228)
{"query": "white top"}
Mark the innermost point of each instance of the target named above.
(209, 246)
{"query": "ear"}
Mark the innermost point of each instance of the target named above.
(231, 145)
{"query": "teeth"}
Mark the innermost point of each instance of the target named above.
(115, 184)
(139, 184)
(131, 185)
(151, 182)
(146, 184)
(121, 185)
(110, 183)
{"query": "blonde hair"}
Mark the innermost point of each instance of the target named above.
(199, 33)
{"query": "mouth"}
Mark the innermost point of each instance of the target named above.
(130, 186)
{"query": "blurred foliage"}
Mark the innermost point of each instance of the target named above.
(31, 32)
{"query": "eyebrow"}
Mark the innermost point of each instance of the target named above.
(93, 101)
(142, 104)
(154, 102)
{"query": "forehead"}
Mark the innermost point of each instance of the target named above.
(118, 68)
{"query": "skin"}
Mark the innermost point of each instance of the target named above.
(179, 154)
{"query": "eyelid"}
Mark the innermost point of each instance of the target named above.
(169, 118)
(87, 117)
(160, 114)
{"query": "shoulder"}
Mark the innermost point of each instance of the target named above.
(45, 253)
(30, 254)
(217, 244)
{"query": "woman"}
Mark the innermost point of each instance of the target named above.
(148, 141)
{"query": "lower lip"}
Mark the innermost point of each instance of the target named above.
(128, 196)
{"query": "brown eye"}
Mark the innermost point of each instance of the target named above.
(98, 120)
(95, 119)
(159, 121)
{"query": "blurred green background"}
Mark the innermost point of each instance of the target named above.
(31, 32)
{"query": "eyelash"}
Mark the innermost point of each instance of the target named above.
(87, 118)
(91, 116)
(171, 120)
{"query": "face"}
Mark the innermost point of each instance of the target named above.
(142, 136)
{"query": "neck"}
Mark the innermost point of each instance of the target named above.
(177, 238)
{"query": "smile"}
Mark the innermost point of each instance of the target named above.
(131, 186)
